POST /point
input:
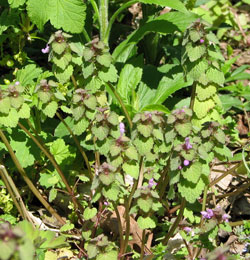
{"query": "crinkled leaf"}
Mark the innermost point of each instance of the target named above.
(131, 168)
(50, 109)
(90, 102)
(205, 92)
(215, 76)
(108, 255)
(145, 223)
(81, 126)
(144, 145)
(5, 105)
(145, 204)
(193, 172)
(101, 132)
(184, 129)
(87, 69)
(16, 102)
(131, 153)
(201, 109)
(24, 111)
(110, 75)
(63, 60)
(78, 112)
(9, 120)
(145, 130)
(196, 52)
(104, 59)
(89, 213)
(44, 96)
(107, 179)
(111, 193)
(113, 119)
(194, 35)
(63, 75)
(52, 194)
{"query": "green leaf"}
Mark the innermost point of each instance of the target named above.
(50, 109)
(24, 111)
(87, 54)
(156, 107)
(44, 96)
(107, 179)
(166, 23)
(220, 136)
(192, 173)
(60, 150)
(145, 130)
(145, 223)
(196, 52)
(194, 35)
(63, 75)
(100, 132)
(175, 162)
(89, 213)
(215, 76)
(111, 193)
(115, 150)
(90, 102)
(145, 204)
(27, 74)
(68, 15)
(110, 75)
(81, 126)
(59, 47)
(144, 145)
(205, 92)
(62, 61)
(104, 59)
(177, 5)
(78, 112)
(66, 227)
(52, 194)
(16, 3)
(190, 191)
(113, 119)
(131, 168)
(9, 120)
(94, 84)
(116, 162)
(16, 102)
(130, 77)
(87, 69)
(5, 105)
(38, 12)
(196, 69)
(131, 153)
(201, 109)
(183, 129)
(61, 129)
(7, 249)
(108, 256)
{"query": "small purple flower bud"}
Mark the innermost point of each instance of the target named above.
(186, 162)
(17, 83)
(225, 217)
(207, 214)
(122, 128)
(46, 49)
(201, 40)
(180, 167)
(187, 143)
(182, 111)
(106, 203)
(187, 229)
(151, 183)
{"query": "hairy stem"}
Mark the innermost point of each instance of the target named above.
(95, 8)
(78, 146)
(27, 180)
(176, 223)
(103, 12)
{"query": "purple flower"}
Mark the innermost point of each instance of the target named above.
(46, 49)
(187, 229)
(180, 167)
(106, 203)
(151, 183)
(186, 162)
(122, 128)
(187, 143)
(207, 214)
(225, 217)
(17, 83)
(201, 40)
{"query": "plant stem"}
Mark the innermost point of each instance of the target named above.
(119, 227)
(192, 97)
(114, 16)
(176, 223)
(122, 105)
(78, 146)
(142, 244)
(86, 35)
(103, 12)
(95, 7)
(28, 181)
(57, 167)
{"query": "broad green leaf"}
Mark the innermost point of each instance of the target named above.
(104, 59)
(166, 23)
(145, 204)
(115, 150)
(131, 168)
(94, 84)
(50, 109)
(183, 129)
(156, 107)
(110, 75)
(16, 102)
(87, 69)
(145, 223)
(27, 74)
(144, 145)
(59, 47)
(87, 54)
(111, 193)
(175, 162)
(194, 35)
(100, 132)
(63, 60)
(24, 111)
(44, 96)
(5, 105)
(68, 15)
(90, 102)
(215, 76)
(130, 77)
(66, 227)
(228, 101)
(63, 75)
(38, 12)
(108, 256)
(78, 112)
(145, 130)
(89, 213)
(205, 92)
(131, 153)
(9, 120)
(7, 249)
(80, 126)
(16, 3)
(52, 194)
(113, 119)
(196, 69)
(192, 173)
(195, 52)
(176, 4)
(201, 109)
(107, 179)
(61, 129)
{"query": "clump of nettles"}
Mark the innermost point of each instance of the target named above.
(12, 105)
(202, 62)
(192, 149)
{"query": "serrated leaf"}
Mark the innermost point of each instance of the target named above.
(69, 15)
(145, 223)
(81, 126)
(196, 69)
(61, 129)
(87, 69)
(157, 133)
(144, 145)
(16, 102)
(110, 75)
(103, 147)
(24, 111)
(131, 168)
(9, 120)
(66, 227)
(104, 59)
(145, 204)
(190, 191)
(116, 162)
(205, 92)
(220, 136)
(87, 54)
(131, 153)
(101, 132)
(215, 76)
(63, 75)
(78, 112)
(113, 118)
(115, 150)
(223, 151)
(5, 105)
(183, 129)
(195, 52)
(27, 74)
(62, 61)
(111, 193)
(44, 96)
(145, 130)
(16, 3)
(89, 213)
(66, 109)
(175, 162)
(192, 173)
(201, 109)
(108, 255)
(90, 102)
(212, 38)
(194, 35)
(59, 47)
(107, 179)
(94, 84)
(50, 109)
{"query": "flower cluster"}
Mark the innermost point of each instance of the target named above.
(217, 213)
(186, 146)
(207, 214)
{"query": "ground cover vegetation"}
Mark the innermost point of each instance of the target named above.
(124, 129)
